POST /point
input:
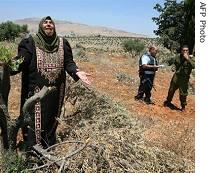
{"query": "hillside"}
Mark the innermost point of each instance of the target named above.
(68, 28)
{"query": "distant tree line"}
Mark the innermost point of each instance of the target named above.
(176, 23)
(10, 30)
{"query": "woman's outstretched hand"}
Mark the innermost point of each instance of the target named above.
(84, 77)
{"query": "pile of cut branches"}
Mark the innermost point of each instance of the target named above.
(95, 134)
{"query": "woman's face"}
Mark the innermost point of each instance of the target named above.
(48, 27)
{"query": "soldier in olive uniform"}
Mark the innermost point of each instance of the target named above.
(183, 67)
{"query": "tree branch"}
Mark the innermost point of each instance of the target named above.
(54, 160)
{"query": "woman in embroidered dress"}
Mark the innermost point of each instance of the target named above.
(46, 58)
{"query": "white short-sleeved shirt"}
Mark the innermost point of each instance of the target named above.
(146, 59)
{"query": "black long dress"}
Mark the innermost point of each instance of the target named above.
(44, 69)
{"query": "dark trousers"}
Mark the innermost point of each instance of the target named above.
(182, 85)
(145, 87)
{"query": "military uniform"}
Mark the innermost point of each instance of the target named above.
(180, 79)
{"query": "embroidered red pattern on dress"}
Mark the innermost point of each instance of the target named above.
(38, 119)
(50, 64)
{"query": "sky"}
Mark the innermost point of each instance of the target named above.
(128, 15)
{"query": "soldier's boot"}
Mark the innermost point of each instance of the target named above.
(167, 103)
(183, 101)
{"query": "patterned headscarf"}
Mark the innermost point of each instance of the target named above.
(46, 43)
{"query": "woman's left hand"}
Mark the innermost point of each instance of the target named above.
(83, 76)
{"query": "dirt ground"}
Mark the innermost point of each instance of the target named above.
(104, 78)
(175, 126)
(104, 71)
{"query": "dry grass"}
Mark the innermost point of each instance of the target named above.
(116, 137)
(178, 137)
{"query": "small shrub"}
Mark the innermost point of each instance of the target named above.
(134, 47)
(122, 77)
(12, 163)
(5, 54)
(81, 55)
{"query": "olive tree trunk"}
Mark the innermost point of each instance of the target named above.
(4, 92)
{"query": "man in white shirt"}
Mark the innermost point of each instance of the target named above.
(147, 68)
